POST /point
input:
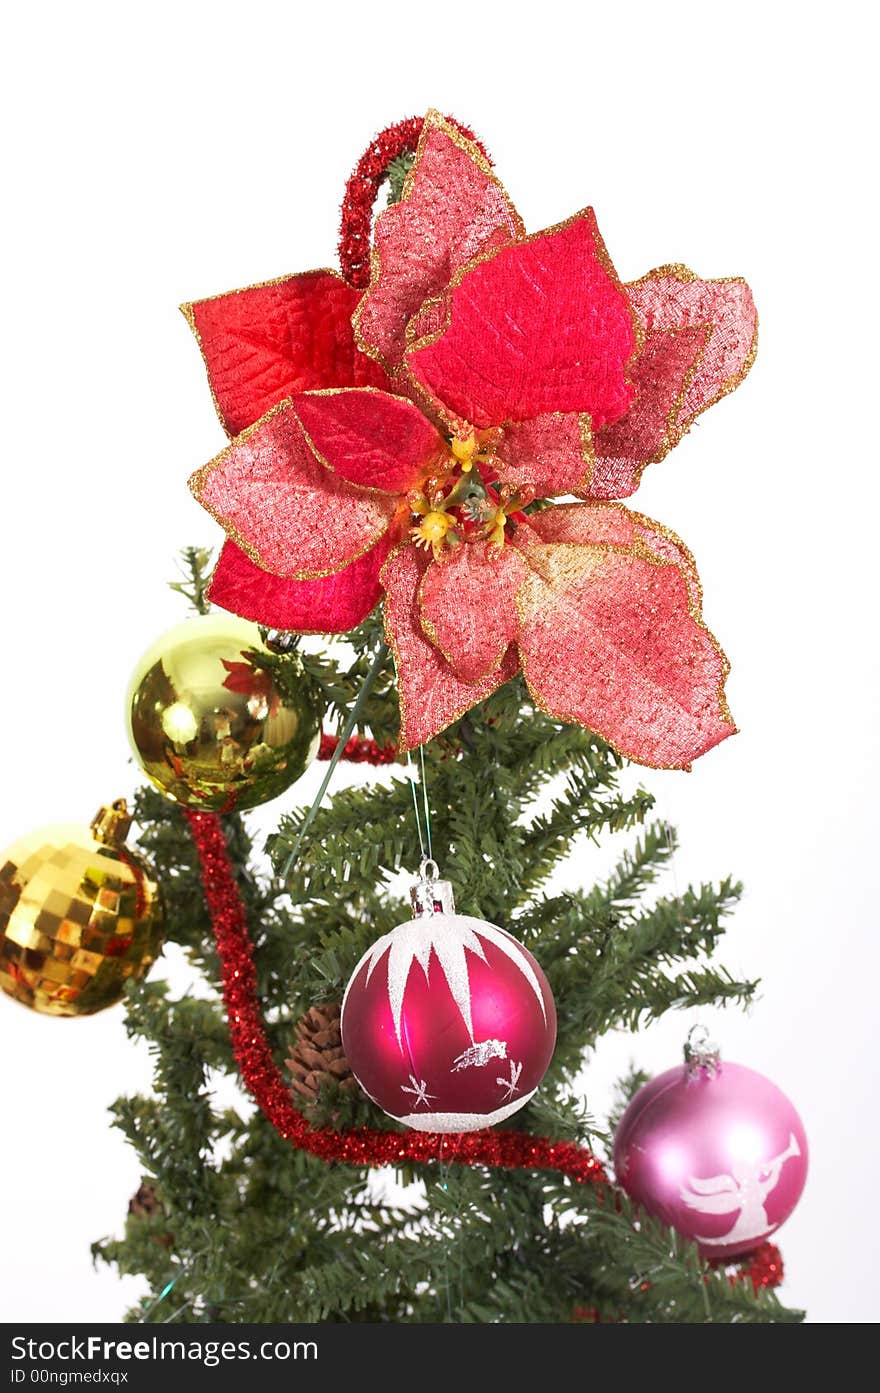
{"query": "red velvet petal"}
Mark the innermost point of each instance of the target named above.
(537, 327)
(370, 438)
(610, 639)
(647, 432)
(431, 696)
(453, 207)
(285, 509)
(331, 605)
(700, 341)
(467, 606)
(551, 455)
(593, 524)
(268, 341)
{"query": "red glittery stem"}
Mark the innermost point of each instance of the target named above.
(367, 1146)
(362, 188)
(357, 751)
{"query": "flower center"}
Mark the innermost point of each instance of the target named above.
(463, 501)
(433, 528)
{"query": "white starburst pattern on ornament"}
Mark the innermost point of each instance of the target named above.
(448, 936)
(511, 1085)
(419, 1091)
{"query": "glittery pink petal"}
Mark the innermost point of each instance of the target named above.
(539, 326)
(453, 207)
(266, 342)
(646, 433)
(673, 298)
(550, 455)
(431, 696)
(370, 438)
(330, 605)
(467, 606)
(285, 509)
(700, 341)
(591, 524)
(610, 639)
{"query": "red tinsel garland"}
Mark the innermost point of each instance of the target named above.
(363, 185)
(357, 751)
(366, 1146)
(763, 1268)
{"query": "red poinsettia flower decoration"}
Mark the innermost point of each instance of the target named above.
(388, 442)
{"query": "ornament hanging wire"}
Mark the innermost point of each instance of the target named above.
(425, 837)
(425, 803)
(411, 775)
(701, 1053)
(426, 846)
(351, 721)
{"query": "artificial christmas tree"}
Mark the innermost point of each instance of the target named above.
(521, 1223)
(427, 455)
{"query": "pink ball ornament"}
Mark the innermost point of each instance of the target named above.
(714, 1150)
(448, 1023)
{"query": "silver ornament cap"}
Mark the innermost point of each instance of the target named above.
(701, 1055)
(430, 895)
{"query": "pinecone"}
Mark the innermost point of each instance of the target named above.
(317, 1055)
(145, 1204)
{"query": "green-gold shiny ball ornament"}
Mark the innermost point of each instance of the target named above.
(210, 726)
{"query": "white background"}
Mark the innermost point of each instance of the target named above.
(170, 151)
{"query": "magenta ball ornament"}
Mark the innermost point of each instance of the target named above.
(448, 1022)
(714, 1150)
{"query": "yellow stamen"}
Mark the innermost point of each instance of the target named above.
(496, 536)
(431, 532)
(464, 451)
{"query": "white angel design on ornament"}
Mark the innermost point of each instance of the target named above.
(745, 1189)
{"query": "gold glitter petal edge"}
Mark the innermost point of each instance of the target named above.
(188, 310)
(198, 479)
(673, 537)
(434, 120)
(588, 451)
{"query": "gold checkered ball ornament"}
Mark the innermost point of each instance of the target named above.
(79, 916)
(211, 725)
